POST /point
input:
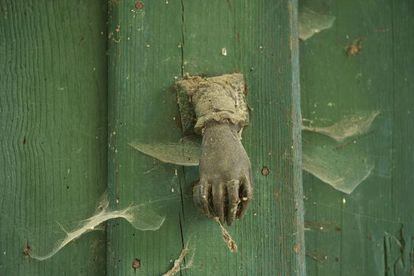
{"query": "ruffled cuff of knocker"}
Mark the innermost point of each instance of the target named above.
(220, 99)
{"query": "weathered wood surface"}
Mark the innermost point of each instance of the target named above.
(53, 132)
(369, 232)
(54, 118)
(152, 44)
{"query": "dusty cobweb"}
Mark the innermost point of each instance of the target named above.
(141, 217)
(342, 169)
(312, 22)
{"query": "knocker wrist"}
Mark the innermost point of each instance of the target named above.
(221, 126)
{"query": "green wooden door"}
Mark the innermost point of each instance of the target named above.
(55, 124)
(80, 80)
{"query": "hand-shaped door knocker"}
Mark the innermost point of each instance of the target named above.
(226, 185)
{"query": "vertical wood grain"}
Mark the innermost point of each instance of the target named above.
(370, 231)
(53, 130)
(144, 61)
(156, 42)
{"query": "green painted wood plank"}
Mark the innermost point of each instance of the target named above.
(360, 233)
(260, 41)
(152, 45)
(144, 61)
(53, 132)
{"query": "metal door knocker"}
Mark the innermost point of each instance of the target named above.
(226, 185)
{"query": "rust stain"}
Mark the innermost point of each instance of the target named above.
(354, 48)
(139, 5)
(265, 171)
(136, 264)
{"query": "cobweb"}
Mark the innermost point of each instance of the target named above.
(342, 167)
(183, 153)
(350, 126)
(141, 217)
(311, 22)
